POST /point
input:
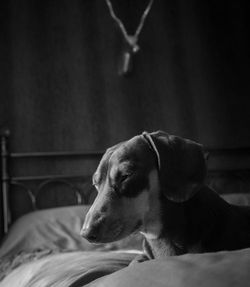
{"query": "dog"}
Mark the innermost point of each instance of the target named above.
(154, 183)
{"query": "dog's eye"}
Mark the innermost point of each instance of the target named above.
(120, 187)
(125, 176)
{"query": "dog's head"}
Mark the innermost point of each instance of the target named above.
(132, 177)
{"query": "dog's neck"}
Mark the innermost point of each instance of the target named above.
(186, 226)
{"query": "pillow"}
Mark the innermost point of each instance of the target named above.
(57, 228)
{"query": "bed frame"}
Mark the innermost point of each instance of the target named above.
(228, 171)
(33, 186)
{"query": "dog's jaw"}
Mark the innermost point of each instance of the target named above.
(152, 222)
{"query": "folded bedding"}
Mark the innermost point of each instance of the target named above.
(44, 248)
(76, 268)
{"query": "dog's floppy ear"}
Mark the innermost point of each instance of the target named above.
(183, 166)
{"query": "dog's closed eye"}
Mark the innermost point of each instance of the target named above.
(120, 173)
(118, 185)
(125, 176)
(132, 185)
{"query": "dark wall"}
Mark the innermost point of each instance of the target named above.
(60, 88)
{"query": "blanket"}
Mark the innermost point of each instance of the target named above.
(111, 269)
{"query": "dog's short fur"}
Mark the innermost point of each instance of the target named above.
(154, 183)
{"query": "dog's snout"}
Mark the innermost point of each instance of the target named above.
(92, 226)
(89, 234)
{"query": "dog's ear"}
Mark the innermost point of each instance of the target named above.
(183, 166)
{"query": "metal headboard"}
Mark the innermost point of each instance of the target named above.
(8, 179)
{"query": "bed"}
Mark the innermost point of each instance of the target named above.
(43, 214)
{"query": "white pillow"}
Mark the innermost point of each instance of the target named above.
(57, 228)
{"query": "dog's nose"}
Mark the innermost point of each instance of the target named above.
(93, 226)
(89, 234)
(92, 230)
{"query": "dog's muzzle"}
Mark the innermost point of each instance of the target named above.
(90, 234)
(100, 229)
(92, 227)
